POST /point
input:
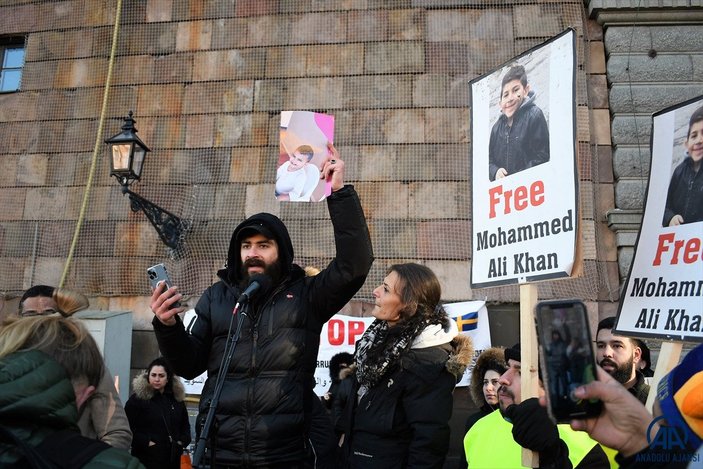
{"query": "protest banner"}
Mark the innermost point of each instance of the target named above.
(524, 180)
(663, 294)
(525, 217)
(341, 333)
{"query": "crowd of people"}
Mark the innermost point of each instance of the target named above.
(257, 333)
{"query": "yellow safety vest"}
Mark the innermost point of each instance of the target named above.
(489, 444)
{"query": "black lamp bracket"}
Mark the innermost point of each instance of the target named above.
(169, 227)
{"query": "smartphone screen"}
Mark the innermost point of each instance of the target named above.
(567, 359)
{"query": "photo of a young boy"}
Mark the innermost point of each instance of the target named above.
(520, 137)
(684, 201)
(297, 178)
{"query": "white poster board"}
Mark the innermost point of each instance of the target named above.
(663, 295)
(525, 222)
(341, 333)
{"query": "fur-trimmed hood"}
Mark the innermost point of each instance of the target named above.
(460, 358)
(144, 391)
(490, 359)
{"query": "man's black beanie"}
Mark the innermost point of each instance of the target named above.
(513, 353)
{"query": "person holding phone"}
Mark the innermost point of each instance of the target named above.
(265, 404)
(494, 441)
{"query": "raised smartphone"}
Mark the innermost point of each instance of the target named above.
(566, 357)
(158, 273)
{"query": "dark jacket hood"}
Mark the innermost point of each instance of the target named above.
(490, 359)
(233, 271)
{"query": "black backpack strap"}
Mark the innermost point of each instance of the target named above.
(30, 455)
(67, 448)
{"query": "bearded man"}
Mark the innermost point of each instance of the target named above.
(264, 412)
(618, 356)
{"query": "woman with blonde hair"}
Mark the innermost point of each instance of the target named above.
(49, 367)
(102, 417)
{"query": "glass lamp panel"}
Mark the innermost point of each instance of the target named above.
(138, 161)
(120, 158)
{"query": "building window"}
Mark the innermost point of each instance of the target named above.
(12, 55)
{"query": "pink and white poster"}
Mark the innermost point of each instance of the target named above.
(303, 150)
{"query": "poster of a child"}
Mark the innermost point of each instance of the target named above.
(303, 149)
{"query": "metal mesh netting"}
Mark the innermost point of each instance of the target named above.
(207, 82)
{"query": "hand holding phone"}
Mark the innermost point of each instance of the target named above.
(567, 360)
(157, 274)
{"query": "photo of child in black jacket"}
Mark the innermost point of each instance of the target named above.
(684, 201)
(520, 137)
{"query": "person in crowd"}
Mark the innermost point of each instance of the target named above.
(558, 364)
(339, 363)
(102, 417)
(495, 441)
(490, 365)
(266, 395)
(645, 363)
(158, 417)
(520, 137)
(297, 178)
(671, 439)
(49, 367)
(684, 200)
(408, 363)
(619, 355)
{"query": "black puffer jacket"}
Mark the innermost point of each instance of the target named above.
(523, 144)
(685, 196)
(266, 397)
(402, 422)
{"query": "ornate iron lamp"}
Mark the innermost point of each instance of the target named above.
(128, 154)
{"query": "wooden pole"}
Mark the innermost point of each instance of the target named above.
(529, 378)
(668, 358)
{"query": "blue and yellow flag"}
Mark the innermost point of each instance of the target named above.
(468, 321)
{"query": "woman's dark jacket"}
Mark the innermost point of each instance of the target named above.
(161, 418)
(685, 196)
(38, 406)
(523, 144)
(402, 422)
(266, 397)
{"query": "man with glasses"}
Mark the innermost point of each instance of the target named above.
(38, 301)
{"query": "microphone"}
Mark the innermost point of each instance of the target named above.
(258, 282)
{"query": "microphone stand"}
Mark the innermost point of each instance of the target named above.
(219, 384)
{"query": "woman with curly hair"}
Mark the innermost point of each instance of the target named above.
(158, 417)
(408, 362)
(489, 367)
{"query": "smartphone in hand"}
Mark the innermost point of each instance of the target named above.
(566, 357)
(158, 273)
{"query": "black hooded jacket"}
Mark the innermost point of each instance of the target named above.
(523, 144)
(685, 195)
(266, 396)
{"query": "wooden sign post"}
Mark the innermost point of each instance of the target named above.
(669, 356)
(529, 378)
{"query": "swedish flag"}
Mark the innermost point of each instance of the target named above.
(468, 321)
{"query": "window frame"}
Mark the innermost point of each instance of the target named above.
(11, 43)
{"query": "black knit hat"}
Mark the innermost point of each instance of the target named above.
(513, 353)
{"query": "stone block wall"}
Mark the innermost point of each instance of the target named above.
(653, 62)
